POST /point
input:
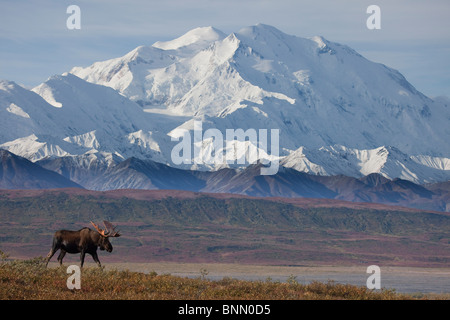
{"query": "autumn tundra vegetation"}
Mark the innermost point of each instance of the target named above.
(32, 280)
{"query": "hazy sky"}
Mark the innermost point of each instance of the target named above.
(35, 42)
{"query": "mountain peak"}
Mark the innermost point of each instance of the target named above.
(374, 179)
(198, 37)
(259, 29)
(6, 85)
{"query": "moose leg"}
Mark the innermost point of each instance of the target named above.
(49, 256)
(62, 253)
(95, 257)
(53, 250)
(82, 255)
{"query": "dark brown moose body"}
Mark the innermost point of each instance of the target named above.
(83, 241)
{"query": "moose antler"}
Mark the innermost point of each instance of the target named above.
(102, 232)
(110, 230)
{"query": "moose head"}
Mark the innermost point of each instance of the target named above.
(108, 232)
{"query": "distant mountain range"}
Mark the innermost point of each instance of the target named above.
(20, 173)
(349, 128)
(133, 173)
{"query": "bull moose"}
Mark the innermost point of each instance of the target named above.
(83, 241)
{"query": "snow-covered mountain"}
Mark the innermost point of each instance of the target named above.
(318, 93)
(337, 112)
(387, 161)
(67, 116)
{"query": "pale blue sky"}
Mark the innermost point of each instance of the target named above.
(36, 44)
